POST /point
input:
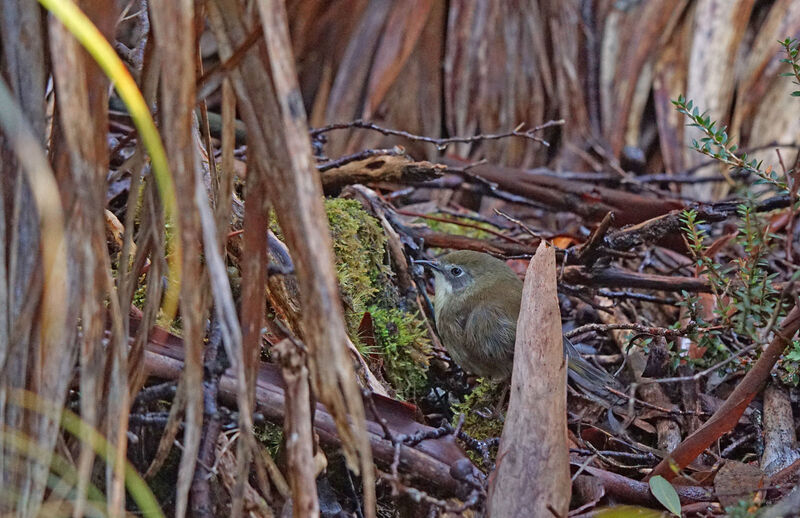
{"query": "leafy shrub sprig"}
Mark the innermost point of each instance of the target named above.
(718, 145)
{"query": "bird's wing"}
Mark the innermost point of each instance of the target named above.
(491, 332)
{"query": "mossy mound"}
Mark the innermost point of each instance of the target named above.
(401, 340)
(483, 399)
(360, 248)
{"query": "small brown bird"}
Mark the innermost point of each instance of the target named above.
(476, 308)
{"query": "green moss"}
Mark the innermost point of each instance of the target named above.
(140, 294)
(459, 230)
(270, 435)
(483, 399)
(403, 341)
(359, 245)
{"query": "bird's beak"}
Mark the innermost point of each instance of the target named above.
(433, 265)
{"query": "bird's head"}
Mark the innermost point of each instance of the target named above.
(462, 271)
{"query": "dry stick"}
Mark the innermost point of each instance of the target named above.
(635, 492)
(524, 227)
(647, 404)
(588, 200)
(698, 375)
(461, 212)
(658, 227)
(613, 277)
(638, 296)
(361, 155)
(441, 240)
(400, 440)
(383, 168)
(430, 462)
(589, 252)
(744, 439)
(726, 417)
(642, 329)
(484, 188)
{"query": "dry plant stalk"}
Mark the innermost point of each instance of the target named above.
(532, 474)
(298, 431)
(173, 19)
(278, 143)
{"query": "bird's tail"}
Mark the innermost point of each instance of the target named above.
(588, 377)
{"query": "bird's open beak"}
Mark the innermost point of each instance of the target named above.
(433, 265)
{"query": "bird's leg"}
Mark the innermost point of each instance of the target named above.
(496, 410)
(501, 403)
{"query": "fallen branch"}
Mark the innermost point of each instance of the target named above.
(636, 492)
(383, 168)
(589, 252)
(428, 462)
(655, 229)
(618, 278)
(587, 200)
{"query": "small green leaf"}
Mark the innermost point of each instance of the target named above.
(665, 494)
(793, 355)
(628, 511)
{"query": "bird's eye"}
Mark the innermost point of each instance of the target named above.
(455, 271)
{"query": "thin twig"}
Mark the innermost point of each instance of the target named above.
(631, 399)
(640, 328)
(522, 225)
(398, 441)
(746, 438)
(461, 224)
(440, 142)
(637, 296)
(695, 377)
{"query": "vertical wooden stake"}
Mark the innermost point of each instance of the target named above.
(532, 476)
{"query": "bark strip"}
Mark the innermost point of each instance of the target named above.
(532, 476)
